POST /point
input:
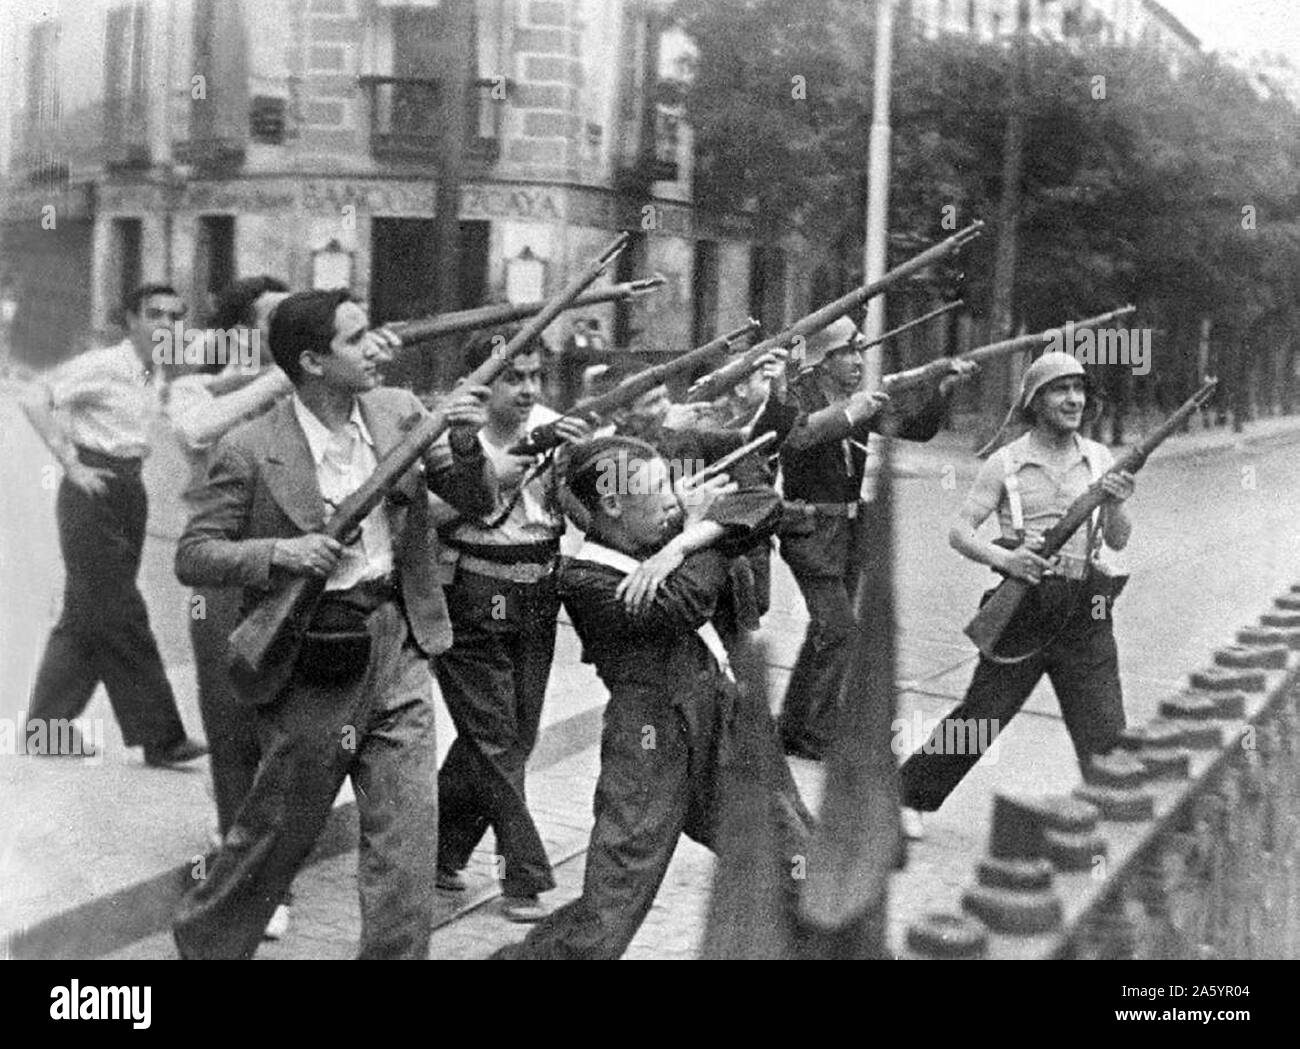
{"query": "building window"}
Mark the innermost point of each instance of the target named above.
(704, 292)
(128, 235)
(767, 286)
(125, 100)
(43, 108)
(667, 141)
(214, 266)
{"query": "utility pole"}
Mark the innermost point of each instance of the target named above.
(443, 367)
(874, 253)
(997, 377)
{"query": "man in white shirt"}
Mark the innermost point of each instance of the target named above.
(358, 702)
(94, 412)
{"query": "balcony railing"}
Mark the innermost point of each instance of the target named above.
(406, 118)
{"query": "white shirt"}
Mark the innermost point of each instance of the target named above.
(107, 400)
(535, 515)
(344, 459)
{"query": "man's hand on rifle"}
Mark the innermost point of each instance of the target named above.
(312, 555)
(865, 404)
(697, 499)
(773, 366)
(1118, 486)
(466, 407)
(573, 429)
(387, 342)
(961, 371)
(1024, 563)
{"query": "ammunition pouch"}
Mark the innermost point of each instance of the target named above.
(336, 645)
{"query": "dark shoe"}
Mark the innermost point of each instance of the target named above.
(179, 753)
(797, 749)
(523, 909)
(449, 881)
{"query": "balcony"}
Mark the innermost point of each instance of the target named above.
(406, 119)
(212, 154)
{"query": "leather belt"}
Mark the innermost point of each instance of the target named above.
(507, 553)
(1070, 567)
(520, 572)
(848, 510)
(116, 463)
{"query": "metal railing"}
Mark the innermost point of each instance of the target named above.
(1195, 853)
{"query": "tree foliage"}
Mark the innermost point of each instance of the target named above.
(1179, 192)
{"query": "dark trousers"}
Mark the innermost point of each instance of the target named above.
(647, 796)
(230, 728)
(1080, 659)
(493, 680)
(103, 633)
(825, 563)
(380, 732)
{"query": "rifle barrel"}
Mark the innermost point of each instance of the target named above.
(895, 332)
(731, 458)
(896, 382)
(722, 379)
(424, 328)
(545, 437)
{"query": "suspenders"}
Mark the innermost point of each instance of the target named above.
(1011, 481)
(1011, 464)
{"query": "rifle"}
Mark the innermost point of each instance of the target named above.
(992, 619)
(263, 647)
(543, 438)
(423, 328)
(947, 307)
(934, 370)
(722, 379)
(722, 465)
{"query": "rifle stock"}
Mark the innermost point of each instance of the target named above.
(263, 646)
(722, 379)
(545, 437)
(992, 619)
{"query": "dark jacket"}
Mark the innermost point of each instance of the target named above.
(812, 457)
(655, 654)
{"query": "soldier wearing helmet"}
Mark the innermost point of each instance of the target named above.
(824, 460)
(1029, 483)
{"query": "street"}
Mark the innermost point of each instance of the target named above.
(1214, 540)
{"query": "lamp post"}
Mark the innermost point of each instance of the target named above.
(874, 249)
